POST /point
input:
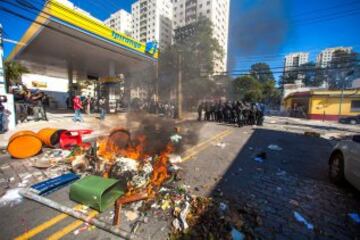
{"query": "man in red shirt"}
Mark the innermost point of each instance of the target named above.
(77, 104)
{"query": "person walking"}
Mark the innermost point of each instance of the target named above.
(102, 108)
(77, 105)
(88, 105)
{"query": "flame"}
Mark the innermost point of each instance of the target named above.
(109, 150)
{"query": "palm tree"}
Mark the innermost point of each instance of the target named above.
(13, 72)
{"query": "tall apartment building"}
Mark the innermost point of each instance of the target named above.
(121, 21)
(152, 21)
(186, 12)
(325, 57)
(295, 60)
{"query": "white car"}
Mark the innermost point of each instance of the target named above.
(344, 162)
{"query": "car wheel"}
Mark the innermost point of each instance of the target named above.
(353, 122)
(336, 168)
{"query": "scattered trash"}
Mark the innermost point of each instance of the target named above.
(12, 197)
(176, 138)
(96, 192)
(131, 215)
(174, 158)
(221, 145)
(236, 235)
(183, 215)
(312, 134)
(274, 147)
(165, 205)
(24, 144)
(301, 219)
(223, 207)
(294, 202)
(176, 224)
(260, 157)
(281, 173)
(355, 217)
(53, 183)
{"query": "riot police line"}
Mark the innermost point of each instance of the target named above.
(232, 112)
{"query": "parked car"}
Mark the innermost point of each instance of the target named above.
(350, 120)
(344, 162)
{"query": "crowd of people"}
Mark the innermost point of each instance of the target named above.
(29, 102)
(163, 109)
(87, 105)
(232, 112)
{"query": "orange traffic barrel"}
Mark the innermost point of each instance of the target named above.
(50, 136)
(24, 144)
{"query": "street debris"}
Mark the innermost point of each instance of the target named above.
(131, 215)
(176, 138)
(294, 202)
(260, 157)
(281, 173)
(53, 183)
(11, 198)
(274, 147)
(301, 219)
(174, 158)
(312, 134)
(221, 145)
(355, 217)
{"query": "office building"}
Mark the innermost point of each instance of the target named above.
(326, 56)
(120, 21)
(152, 21)
(186, 12)
(294, 60)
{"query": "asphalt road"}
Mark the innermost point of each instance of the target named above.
(293, 179)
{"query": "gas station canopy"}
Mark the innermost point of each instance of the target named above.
(63, 37)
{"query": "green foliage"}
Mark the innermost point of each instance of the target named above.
(247, 88)
(341, 69)
(14, 71)
(198, 52)
(262, 72)
(258, 86)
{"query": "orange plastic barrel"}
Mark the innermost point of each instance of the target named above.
(49, 136)
(24, 144)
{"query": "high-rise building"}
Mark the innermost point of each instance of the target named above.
(294, 60)
(186, 12)
(326, 56)
(121, 21)
(152, 21)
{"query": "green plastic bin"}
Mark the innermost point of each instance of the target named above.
(96, 192)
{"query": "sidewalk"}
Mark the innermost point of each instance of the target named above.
(64, 121)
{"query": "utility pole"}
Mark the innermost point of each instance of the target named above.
(342, 91)
(179, 97)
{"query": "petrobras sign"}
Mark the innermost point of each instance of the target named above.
(151, 47)
(66, 14)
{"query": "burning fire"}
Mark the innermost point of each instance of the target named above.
(120, 144)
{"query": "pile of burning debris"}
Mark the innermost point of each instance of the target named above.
(150, 184)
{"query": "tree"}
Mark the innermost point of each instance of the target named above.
(13, 72)
(312, 75)
(341, 69)
(262, 72)
(199, 52)
(247, 88)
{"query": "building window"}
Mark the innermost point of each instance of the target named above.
(355, 106)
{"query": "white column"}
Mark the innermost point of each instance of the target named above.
(8, 121)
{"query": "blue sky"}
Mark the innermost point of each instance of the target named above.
(260, 30)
